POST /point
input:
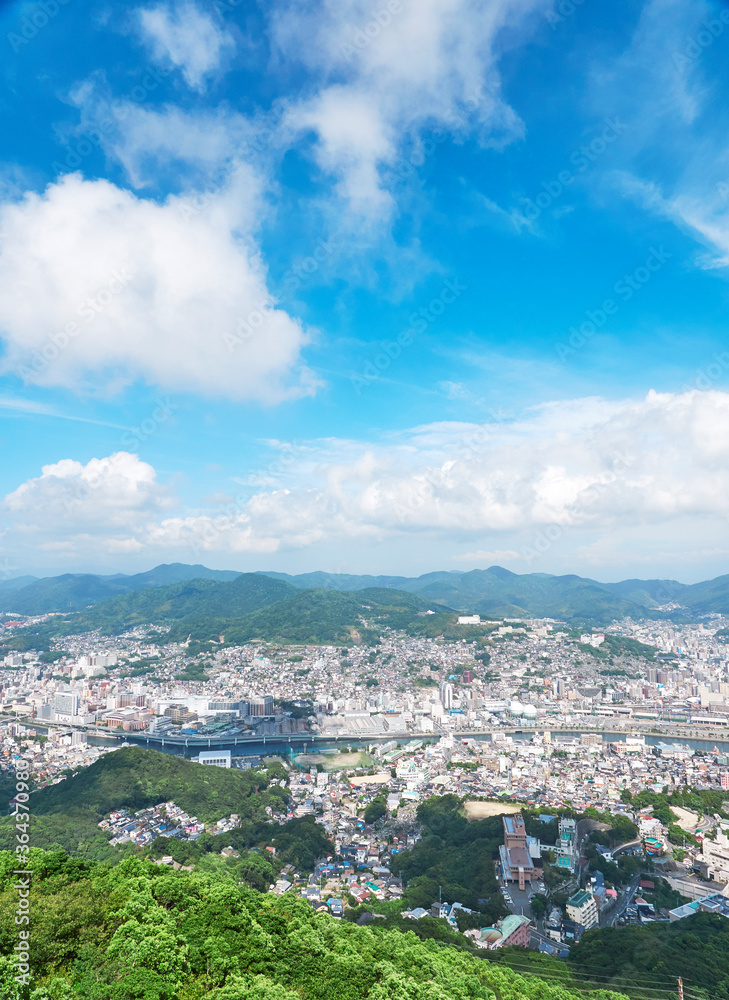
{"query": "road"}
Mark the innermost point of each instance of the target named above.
(609, 918)
(626, 847)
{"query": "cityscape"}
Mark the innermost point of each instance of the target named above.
(364, 491)
(570, 727)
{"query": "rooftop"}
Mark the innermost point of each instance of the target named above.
(579, 899)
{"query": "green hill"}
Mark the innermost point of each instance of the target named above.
(494, 591)
(76, 591)
(318, 616)
(271, 608)
(499, 592)
(193, 599)
(143, 932)
(695, 948)
(712, 595)
(70, 592)
(67, 814)
(134, 778)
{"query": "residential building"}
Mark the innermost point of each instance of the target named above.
(582, 909)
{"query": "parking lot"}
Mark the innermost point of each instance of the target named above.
(518, 900)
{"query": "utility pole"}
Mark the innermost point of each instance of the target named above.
(680, 988)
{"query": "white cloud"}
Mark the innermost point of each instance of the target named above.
(626, 463)
(674, 157)
(703, 214)
(95, 282)
(187, 37)
(387, 73)
(626, 476)
(486, 559)
(190, 148)
(76, 510)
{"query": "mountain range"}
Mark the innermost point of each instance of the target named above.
(278, 605)
(494, 590)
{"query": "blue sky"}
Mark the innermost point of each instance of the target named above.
(365, 287)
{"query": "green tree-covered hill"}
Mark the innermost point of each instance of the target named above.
(695, 948)
(142, 932)
(494, 591)
(67, 814)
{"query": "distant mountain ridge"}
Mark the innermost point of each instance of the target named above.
(76, 591)
(198, 592)
(497, 591)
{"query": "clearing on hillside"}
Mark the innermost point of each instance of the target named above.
(335, 761)
(482, 810)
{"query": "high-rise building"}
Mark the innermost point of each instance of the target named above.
(260, 706)
(518, 853)
(582, 909)
(66, 703)
(446, 695)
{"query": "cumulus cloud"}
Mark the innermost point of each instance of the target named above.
(72, 508)
(625, 463)
(186, 37)
(610, 474)
(97, 283)
(385, 74)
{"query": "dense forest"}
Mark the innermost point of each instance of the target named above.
(139, 931)
(695, 948)
(454, 860)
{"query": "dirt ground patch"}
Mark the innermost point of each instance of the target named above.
(687, 819)
(335, 761)
(482, 810)
(381, 778)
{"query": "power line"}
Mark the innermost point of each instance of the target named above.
(604, 974)
(550, 974)
(589, 985)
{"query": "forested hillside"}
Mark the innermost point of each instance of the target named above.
(143, 932)
(494, 591)
(695, 948)
(67, 814)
